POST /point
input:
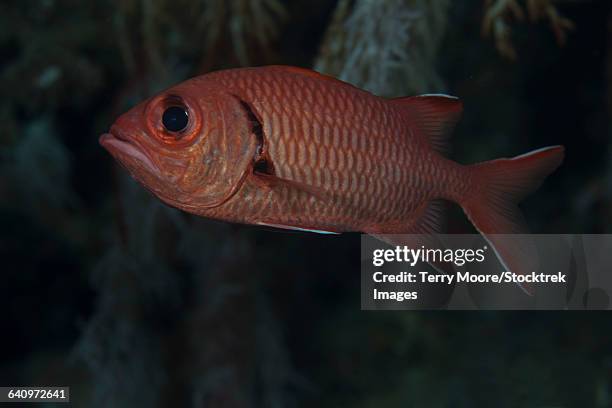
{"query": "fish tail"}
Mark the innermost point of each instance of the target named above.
(491, 205)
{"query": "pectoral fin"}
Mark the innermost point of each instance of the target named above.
(277, 183)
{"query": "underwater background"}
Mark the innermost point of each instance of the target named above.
(132, 303)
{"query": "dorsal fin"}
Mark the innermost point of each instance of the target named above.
(305, 72)
(435, 115)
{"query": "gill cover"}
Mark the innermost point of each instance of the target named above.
(224, 159)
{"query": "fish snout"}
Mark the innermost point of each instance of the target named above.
(115, 133)
(121, 132)
(121, 141)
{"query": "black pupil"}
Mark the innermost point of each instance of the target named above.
(175, 118)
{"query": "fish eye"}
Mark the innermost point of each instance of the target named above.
(175, 118)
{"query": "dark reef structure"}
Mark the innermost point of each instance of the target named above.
(133, 303)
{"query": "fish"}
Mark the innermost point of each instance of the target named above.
(291, 148)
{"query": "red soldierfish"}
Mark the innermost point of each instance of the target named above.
(291, 148)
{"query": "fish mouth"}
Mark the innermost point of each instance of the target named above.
(120, 146)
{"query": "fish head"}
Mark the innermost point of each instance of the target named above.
(191, 145)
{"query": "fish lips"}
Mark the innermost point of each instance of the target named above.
(127, 152)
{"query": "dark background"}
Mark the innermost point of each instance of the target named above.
(132, 303)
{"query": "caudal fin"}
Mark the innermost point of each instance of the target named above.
(492, 205)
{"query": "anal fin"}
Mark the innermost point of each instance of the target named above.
(422, 232)
(428, 219)
(431, 219)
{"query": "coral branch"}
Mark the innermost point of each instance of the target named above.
(500, 14)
